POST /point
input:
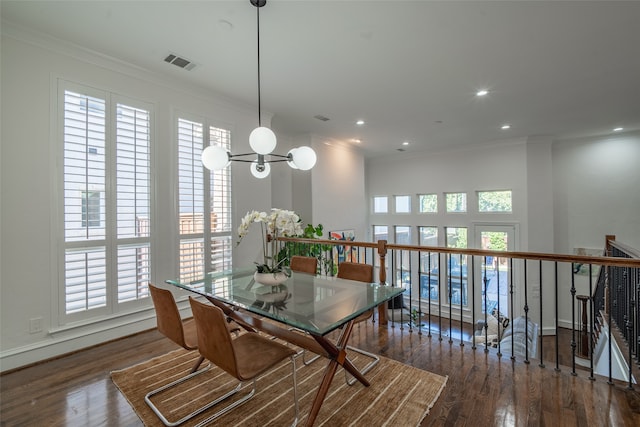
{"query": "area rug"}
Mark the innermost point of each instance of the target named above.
(399, 395)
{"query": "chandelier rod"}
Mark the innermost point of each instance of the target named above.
(258, 6)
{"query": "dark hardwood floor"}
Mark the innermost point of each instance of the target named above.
(482, 390)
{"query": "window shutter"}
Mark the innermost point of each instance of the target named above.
(204, 203)
(106, 233)
(133, 187)
(84, 217)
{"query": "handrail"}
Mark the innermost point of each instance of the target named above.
(538, 256)
(442, 292)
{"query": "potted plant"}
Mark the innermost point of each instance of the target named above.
(278, 222)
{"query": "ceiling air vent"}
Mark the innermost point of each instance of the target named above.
(179, 62)
(321, 117)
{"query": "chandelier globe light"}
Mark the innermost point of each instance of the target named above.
(262, 140)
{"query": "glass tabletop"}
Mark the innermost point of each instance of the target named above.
(316, 304)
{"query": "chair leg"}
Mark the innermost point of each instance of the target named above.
(228, 408)
(364, 370)
(295, 389)
(163, 418)
(197, 364)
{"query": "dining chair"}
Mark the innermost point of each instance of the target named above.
(304, 264)
(170, 324)
(245, 357)
(362, 273)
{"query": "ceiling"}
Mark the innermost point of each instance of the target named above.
(409, 69)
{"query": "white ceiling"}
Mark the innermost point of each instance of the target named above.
(410, 69)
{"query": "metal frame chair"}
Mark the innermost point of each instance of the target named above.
(170, 324)
(244, 358)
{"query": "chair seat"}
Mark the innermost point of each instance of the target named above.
(256, 354)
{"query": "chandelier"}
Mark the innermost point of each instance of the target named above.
(262, 140)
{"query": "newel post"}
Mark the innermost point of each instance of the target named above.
(382, 254)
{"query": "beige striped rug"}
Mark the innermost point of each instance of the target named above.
(399, 395)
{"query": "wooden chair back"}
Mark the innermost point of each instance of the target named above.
(214, 340)
(168, 317)
(356, 271)
(304, 264)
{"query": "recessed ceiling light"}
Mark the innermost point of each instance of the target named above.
(360, 122)
(482, 92)
(505, 127)
(356, 140)
(618, 129)
(405, 143)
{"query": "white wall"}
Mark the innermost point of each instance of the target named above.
(500, 166)
(338, 190)
(29, 267)
(566, 194)
(597, 191)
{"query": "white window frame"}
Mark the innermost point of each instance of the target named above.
(399, 200)
(374, 204)
(220, 233)
(110, 242)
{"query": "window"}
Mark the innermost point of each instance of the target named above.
(428, 203)
(494, 201)
(403, 204)
(380, 232)
(428, 236)
(402, 257)
(91, 209)
(456, 266)
(204, 202)
(380, 204)
(456, 202)
(106, 201)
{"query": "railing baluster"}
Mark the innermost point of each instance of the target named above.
(473, 300)
(440, 270)
(450, 295)
(498, 313)
(541, 363)
(557, 326)
(484, 301)
(591, 324)
(462, 300)
(429, 291)
(526, 314)
(513, 356)
(630, 328)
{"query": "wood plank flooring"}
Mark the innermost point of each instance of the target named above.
(483, 389)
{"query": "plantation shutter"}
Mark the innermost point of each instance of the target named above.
(204, 203)
(84, 162)
(107, 193)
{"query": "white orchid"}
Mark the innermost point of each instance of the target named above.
(278, 222)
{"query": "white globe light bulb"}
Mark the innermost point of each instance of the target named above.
(304, 158)
(260, 174)
(262, 140)
(291, 162)
(215, 157)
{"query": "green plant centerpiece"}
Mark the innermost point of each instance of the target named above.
(278, 222)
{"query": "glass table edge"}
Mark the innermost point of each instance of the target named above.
(292, 323)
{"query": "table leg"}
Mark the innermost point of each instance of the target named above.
(338, 356)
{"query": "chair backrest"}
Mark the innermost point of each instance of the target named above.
(356, 271)
(214, 339)
(304, 264)
(167, 315)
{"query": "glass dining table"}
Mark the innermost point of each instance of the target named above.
(316, 305)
